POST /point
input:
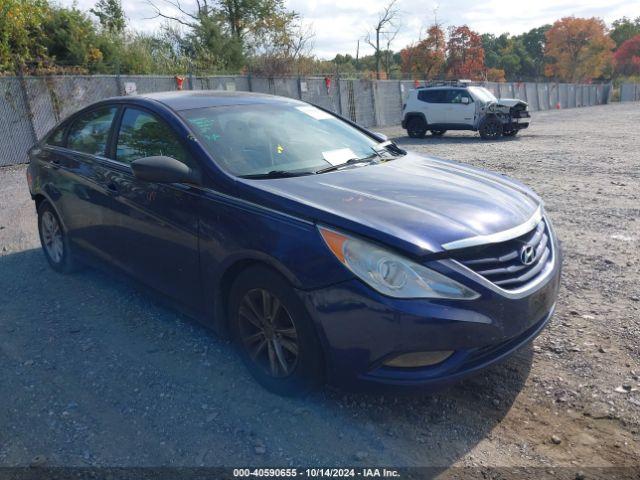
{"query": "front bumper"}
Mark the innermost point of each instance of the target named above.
(520, 121)
(361, 329)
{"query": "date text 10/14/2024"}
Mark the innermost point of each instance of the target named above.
(316, 472)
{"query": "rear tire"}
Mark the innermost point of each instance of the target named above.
(54, 240)
(490, 128)
(416, 127)
(438, 133)
(274, 333)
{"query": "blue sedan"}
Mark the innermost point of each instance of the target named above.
(328, 253)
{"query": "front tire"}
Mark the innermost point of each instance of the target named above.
(275, 335)
(490, 128)
(416, 127)
(510, 133)
(54, 240)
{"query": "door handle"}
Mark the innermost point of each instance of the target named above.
(112, 188)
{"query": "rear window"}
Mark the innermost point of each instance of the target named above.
(56, 138)
(90, 131)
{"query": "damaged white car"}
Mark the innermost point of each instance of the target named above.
(462, 107)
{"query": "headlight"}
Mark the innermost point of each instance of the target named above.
(391, 274)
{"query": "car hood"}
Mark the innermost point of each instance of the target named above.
(511, 102)
(414, 203)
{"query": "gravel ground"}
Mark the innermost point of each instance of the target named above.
(95, 372)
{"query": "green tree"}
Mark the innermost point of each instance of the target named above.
(70, 38)
(211, 48)
(534, 42)
(250, 21)
(148, 54)
(624, 29)
(21, 39)
(521, 57)
(502, 53)
(110, 15)
(222, 34)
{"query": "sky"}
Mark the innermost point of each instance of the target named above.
(339, 24)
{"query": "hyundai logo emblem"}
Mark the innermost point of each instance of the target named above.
(527, 255)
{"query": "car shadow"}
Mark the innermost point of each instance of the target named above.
(405, 141)
(116, 378)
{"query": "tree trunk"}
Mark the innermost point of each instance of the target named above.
(378, 53)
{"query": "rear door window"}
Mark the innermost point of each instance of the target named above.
(56, 138)
(432, 96)
(143, 135)
(89, 133)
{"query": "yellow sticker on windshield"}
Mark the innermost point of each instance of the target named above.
(280, 149)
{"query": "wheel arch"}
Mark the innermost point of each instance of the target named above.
(40, 197)
(224, 293)
(410, 115)
(230, 272)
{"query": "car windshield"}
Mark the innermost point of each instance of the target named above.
(261, 139)
(483, 94)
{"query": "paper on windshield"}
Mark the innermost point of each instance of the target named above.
(339, 156)
(315, 112)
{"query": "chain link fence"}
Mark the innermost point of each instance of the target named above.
(31, 106)
(15, 122)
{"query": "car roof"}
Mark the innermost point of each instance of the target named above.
(443, 87)
(190, 99)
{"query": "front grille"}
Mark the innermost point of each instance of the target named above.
(519, 111)
(502, 264)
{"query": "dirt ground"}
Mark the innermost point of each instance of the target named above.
(94, 372)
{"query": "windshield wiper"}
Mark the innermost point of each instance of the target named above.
(389, 147)
(351, 161)
(276, 174)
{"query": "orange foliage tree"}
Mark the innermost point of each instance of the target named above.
(465, 53)
(578, 49)
(627, 57)
(426, 58)
(496, 75)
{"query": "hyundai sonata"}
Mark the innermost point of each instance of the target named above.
(328, 253)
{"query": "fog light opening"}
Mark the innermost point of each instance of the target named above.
(418, 359)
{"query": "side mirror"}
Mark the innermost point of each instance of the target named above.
(465, 100)
(163, 170)
(380, 136)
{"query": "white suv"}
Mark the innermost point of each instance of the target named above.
(462, 107)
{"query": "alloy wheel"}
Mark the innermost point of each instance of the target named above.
(268, 333)
(52, 237)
